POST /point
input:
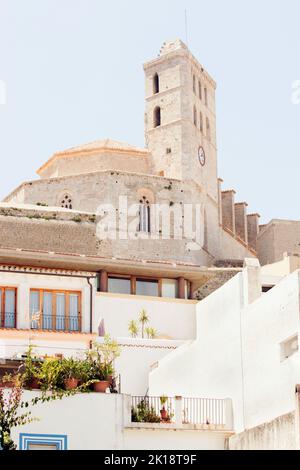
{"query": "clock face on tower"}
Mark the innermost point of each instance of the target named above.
(201, 156)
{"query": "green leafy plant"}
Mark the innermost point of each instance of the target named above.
(72, 368)
(30, 370)
(51, 374)
(163, 400)
(133, 328)
(150, 332)
(101, 357)
(144, 413)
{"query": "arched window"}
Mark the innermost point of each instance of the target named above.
(195, 116)
(201, 122)
(194, 84)
(66, 201)
(205, 96)
(156, 117)
(155, 84)
(144, 215)
(200, 90)
(207, 129)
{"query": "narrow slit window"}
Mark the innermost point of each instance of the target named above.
(155, 84)
(195, 116)
(157, 117)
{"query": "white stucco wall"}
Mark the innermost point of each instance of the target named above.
(136, 359)
(140, 439)
(269, 383)
(98, 421)
(211, 365)
(237, 351)
(171, 318)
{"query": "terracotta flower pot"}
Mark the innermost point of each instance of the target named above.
(101, 386)
(71, 383)
(33, 384)
(164, 414)
(8, 384)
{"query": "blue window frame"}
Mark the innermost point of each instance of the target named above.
(60, 442)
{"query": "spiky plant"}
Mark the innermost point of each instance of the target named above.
(143, 319)
(133, 328)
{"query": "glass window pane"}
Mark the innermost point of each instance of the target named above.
(47, 310)
(60, 311)
(170, 288)
(34, 309)
(9, 317)
(74, 312)
(147, 287)
(1, 294)
(118, 285)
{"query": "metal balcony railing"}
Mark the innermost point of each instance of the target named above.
(56, 323)
(204, 411)
(8, 320)
(193, 411)
(154, 403)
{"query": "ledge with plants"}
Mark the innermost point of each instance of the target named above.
(93, 373)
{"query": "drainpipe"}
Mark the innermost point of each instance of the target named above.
(91, 302)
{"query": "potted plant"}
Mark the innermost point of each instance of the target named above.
(163, 412)
(101, 358)
(71, 373)
(100, 379)
(30, 371)
(51, 374)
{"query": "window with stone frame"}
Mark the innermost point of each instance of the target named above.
(205, 97)
(201, 122)
(156, 117)
(144, 215)
(195, 116)
(155, 84)
(200, 90)
(207, 129)
(66, 201)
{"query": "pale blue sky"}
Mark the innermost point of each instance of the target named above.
(73, 70)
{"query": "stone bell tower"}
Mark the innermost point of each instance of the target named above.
(180, 123)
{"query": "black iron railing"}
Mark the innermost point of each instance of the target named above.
(8, 320)
(55, 322)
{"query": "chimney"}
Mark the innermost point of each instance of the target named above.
(228, 213)
(241, 229)
(253, 229)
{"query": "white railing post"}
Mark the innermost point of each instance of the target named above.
(126, 402)
(178, 411)
(228, 413)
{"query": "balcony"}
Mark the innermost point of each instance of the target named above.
(56, 323)
(181, 412)
(8, 320)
